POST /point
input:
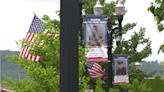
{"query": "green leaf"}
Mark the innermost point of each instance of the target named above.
(161, 49)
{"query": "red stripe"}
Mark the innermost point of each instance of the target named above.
(96, 68)
(32, 44)
(27, 54)
(93, 72)
(35, 57)
(24, 45)
(25, 50)
(97, 71)
(32, 47)
(22, 48)
(40, 58)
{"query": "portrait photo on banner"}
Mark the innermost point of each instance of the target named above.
(120, 67)
(95, 34)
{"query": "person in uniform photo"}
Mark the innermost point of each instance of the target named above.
(121, 69)
(95, 39)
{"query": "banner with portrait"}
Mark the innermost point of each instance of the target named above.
(95, 37)
(121, 69)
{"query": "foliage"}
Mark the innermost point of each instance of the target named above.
(39, 79)
(151, 66)
(162, 63)
(156, 8)
(161, 49)
(49, 49)
(140, 75)
(134, 87)
(11, 69)
(98, 85)
(83, 80)
(43, 76)
(127, 46)
(156, 84)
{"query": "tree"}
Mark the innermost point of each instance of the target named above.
(42, 76)
(156, 8)
(126, 46)
(162, 63)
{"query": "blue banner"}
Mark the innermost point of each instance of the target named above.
(95, 25)
(121, 69)
(95, 36)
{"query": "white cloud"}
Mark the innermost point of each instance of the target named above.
(137, 12)
(16, 17)
(49, 1)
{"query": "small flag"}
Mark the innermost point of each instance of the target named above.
(35, 27)
(94, 69)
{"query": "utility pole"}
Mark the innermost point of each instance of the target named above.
(69, 55)
(18, 75)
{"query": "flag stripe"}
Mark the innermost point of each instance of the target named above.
(35, 27)
(94, 69)
(25, 47)
(30, 39)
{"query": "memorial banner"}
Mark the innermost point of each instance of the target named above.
(95, 36)
(121, 69)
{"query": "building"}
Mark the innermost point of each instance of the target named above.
(5, 89)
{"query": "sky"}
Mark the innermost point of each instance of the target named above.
(16, 17)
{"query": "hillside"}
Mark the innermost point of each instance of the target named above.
(15, 71)
(11, 69)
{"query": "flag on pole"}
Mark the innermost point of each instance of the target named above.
(35, 27)
(94, 69)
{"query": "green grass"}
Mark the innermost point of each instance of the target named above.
(156, 84)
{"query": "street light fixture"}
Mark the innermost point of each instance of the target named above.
(120, 8)
(98, 8)
(120, 11)
(138, 65)
(118, 39)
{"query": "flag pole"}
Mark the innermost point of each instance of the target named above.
(34, 13)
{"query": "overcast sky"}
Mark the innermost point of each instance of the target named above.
(16, 17)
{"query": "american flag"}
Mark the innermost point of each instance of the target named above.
(35, 27)
(94, 69)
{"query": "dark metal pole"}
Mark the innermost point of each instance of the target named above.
(110, 72)
(117, 43)
(80, 20)
(119, 18)
(110, 45)
(69, 58)
(110, 39)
